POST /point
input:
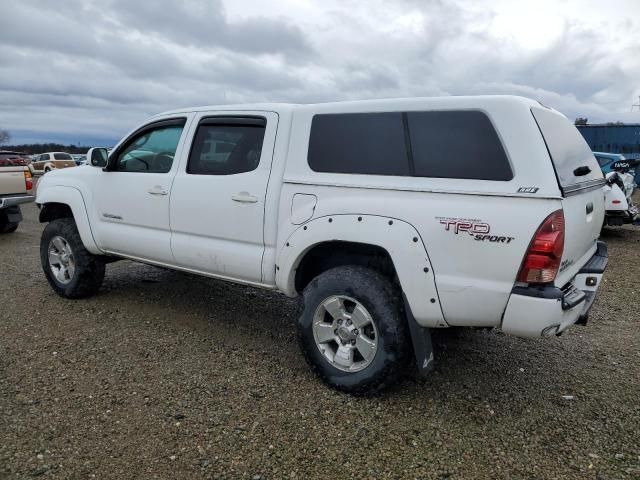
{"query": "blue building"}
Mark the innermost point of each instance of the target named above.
(617, 138)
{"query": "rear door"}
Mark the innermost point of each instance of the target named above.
(580, 180)
(218, 197)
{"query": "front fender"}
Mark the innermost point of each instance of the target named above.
(73, 197)
(400, 239)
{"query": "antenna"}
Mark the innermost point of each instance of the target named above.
(636, 105)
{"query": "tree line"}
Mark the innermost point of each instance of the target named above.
(35, 148)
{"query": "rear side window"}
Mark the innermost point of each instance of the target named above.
(44, 156)
(364, 143)
(439, 144)
(569, 152)
(62, 156)
(450, 144)
(227, 146)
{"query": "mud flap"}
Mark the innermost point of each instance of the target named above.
(421, 340)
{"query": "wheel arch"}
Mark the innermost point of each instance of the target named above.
(388, 245)
(67, 202)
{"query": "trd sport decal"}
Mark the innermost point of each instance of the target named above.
(477, 229)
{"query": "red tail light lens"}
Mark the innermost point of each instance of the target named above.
(542, 261)
(28, 180)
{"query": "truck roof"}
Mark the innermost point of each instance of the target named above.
(477, 101)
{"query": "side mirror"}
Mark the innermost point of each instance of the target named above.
(98, 157)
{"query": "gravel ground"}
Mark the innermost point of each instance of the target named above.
(167, 375)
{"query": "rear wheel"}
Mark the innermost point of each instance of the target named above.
(70, 269)
(7, 227)
(352, 330)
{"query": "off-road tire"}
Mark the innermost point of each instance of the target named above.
(376, 293)
(89, 268)
(6, 227)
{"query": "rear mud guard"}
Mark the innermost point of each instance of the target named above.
(421, 340)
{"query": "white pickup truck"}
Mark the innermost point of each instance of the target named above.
(16, 187)
(388, 217)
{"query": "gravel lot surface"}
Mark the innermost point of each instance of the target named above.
(167, 375)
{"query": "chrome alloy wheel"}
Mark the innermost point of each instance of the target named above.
(344, 333)
(61, 261)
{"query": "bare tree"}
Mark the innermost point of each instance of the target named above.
(5, 136)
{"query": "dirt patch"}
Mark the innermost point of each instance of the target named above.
(167, 375)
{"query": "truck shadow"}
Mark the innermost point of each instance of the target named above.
(480, 365)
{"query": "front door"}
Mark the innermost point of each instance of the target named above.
(131, 197)
(218, 198)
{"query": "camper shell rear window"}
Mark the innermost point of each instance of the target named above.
(569, 152)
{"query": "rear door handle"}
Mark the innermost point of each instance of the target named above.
(244, 197)
(157, 190)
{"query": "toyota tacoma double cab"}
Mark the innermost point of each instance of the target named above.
(389, 218)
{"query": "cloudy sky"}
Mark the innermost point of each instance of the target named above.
(88, 71)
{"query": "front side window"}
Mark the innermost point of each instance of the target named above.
(62, 156)
(150, 151)
(226, 147)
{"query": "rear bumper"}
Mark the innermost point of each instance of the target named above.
(543, 311)
(6, 202)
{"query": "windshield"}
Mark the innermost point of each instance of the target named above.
(572, 159)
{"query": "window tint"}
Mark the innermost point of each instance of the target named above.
(365, 143)
(567, 148)
(62, 156)
(226, 149)
(463, 144)
(443, 145)
(602, 161)
(150, 151)
(44, 156)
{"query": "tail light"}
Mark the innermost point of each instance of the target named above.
(542, 261)
(28, 180)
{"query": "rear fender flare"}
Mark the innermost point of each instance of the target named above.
(399, 238)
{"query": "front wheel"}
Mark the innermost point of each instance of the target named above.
(352, 330)
(70, 269)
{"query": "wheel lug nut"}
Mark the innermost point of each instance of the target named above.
(355, 331)
(348, 322)
(353, 342)
(339, 321)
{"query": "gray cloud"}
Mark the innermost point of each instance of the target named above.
(91, 67)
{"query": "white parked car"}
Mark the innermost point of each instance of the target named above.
(389, 217)
(45, 162)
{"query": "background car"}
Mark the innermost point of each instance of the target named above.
(51, 161)
(609, 162)
(13, 159)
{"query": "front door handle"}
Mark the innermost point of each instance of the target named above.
(157, 190)
(244, 197)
